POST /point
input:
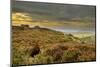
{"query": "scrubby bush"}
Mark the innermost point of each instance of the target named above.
(56, 53)
(34, 51)
(87, 56)
(42, 59)
(70, 55)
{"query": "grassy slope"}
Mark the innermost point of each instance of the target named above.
(54, 47)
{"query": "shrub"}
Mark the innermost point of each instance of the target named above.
(35, 51)
(87, 56)
(55, 51)
(42, 59)
(70, 55)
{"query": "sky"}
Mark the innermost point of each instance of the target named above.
(85, 14)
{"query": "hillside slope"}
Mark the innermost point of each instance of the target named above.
(41, 46)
